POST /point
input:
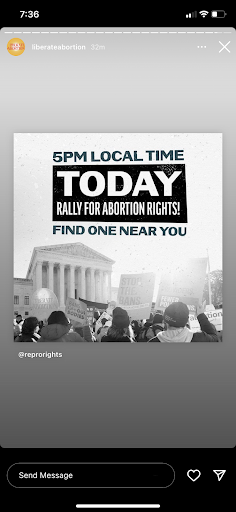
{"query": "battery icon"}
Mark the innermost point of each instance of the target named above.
(218, 14)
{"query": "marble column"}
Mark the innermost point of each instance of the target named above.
(100, 285)
(62, 285)
(92, 284)
(78, 282)
(88, 283)
(72, 282)
(104, 290)
(34, 279)
(96, 285)
(39, 274)
(82, 293)
(50, 275)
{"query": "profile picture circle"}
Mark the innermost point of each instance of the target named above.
(16, 46)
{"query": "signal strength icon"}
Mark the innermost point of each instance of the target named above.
(191, 14)
(204, 13)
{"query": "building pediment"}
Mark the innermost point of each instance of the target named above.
(75, 252)
(76, 249)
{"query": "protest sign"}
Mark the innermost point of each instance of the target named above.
(76, 310)
(99, 321)
(183, 282)
(215, 316)
(44, 302)
(135, 294)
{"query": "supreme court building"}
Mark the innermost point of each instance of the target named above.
(69, 270)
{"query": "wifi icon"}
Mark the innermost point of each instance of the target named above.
(204, 13)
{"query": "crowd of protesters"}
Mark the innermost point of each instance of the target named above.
(172, 326)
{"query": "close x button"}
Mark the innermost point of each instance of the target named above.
(91, 475)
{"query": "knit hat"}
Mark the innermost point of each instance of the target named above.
(176, 314)
(58, 317)
(120, 318)
(158, 319)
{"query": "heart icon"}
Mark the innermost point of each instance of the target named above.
(194, 474)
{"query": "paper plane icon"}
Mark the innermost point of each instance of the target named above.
(219, 473)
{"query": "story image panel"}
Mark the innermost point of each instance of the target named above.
(118, 237)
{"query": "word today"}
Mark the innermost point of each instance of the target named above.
(144, 182)
(135, 187)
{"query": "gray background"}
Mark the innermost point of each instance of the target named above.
(135, 395)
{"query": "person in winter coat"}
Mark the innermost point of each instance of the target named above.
(120, 329)
(18, 322)
(16, 330)
(156, 327)
(29, 331)
(58, 329)
(176, 317)
(136, 328)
